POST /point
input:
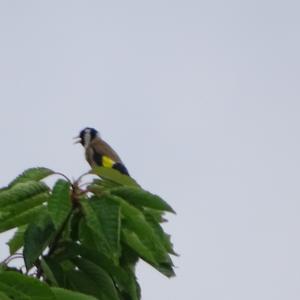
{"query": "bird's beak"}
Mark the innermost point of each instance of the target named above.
(76, 139)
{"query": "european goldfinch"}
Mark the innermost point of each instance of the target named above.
(98, 152)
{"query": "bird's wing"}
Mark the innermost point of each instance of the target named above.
(103, 155)
(102, 148)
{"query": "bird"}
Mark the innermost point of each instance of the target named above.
(98, 153)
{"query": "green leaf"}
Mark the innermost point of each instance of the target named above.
(104, 184)
(129, 257)
(136, 243)
(22, 219)
(132, 239)
(132, 289)
(32, 174)
(59, 204)
(92, 221)
(53, 271)
(26, 286)
(99, 276)
(140, 197)
(95, 189)
(20, 192)
(17, 241)
(20, 207)
(81, 282)
(88, 238)
(158, 215)
(109, 216)
(115, 176)
(166, 269)
(4, 215)
(140, 236)
(164, 238)
(47, 273)
(37, 238)
(4, 296)
(124, 279)
(11, 292)
(63, 294)
(136, 222)
(73, 225)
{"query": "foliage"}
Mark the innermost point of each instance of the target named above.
(81, 243)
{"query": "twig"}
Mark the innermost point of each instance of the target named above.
(63, 175)
(81, 176)
(7, 260)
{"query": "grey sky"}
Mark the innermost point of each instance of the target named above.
(200, 99)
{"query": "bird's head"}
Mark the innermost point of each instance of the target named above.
(86, 136)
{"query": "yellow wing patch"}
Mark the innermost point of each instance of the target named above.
(107, 162)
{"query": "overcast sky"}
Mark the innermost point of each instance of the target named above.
(200, 99)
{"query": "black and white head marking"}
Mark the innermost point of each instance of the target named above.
(87, 135)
